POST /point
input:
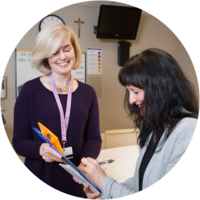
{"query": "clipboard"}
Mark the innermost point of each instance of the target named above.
(68, 166)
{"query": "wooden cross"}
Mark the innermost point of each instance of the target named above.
(79, 27)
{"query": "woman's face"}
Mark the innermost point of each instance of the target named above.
(63, 60)
(136, 96)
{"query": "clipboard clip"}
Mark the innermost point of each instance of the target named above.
(50, 137)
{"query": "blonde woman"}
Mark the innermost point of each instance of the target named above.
(64, 105)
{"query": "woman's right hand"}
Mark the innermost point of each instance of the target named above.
(49, 154)
(90, 194)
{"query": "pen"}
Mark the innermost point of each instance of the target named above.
(106, 162)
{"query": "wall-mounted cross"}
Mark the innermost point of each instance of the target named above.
(79, 26)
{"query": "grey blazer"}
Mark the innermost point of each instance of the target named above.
(160, 164)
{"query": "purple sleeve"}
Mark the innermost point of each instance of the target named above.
(92, 144)
(23, 141)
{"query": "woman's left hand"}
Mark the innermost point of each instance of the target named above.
(93, 171)
(90, 194)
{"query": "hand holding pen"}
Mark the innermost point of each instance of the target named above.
(92, 170)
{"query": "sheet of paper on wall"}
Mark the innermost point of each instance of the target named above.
(94, 61)
(79, 74)
(74, 173)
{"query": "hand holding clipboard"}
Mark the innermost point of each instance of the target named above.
(53, 141)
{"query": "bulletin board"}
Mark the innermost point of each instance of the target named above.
(24, 71)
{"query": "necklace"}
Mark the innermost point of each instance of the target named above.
(63, 89)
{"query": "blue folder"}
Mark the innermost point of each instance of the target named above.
(70, 163)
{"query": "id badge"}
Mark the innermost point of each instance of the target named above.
(68, 152)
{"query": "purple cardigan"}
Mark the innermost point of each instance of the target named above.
(37, 104)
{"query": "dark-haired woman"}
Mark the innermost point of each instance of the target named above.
(162, 103)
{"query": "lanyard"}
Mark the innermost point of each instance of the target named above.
(64, 121)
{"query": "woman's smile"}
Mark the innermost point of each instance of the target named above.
(63, 60)
(63, 64)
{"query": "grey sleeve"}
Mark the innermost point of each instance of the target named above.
(111, 189)
(129, 183)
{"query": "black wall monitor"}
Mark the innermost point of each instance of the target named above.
(118, 22)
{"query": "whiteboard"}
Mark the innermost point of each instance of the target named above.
(24, 71)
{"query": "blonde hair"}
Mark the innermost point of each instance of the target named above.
(47, 43)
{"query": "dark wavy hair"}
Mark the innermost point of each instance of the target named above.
(169, 96)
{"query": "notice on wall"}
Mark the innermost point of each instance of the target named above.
(23, 68)
(94, 61)
(80, 74)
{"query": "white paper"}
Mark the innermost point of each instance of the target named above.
(79, 74)
(74, 173)
(94, 61)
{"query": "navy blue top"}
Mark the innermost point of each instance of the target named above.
(36, 103)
